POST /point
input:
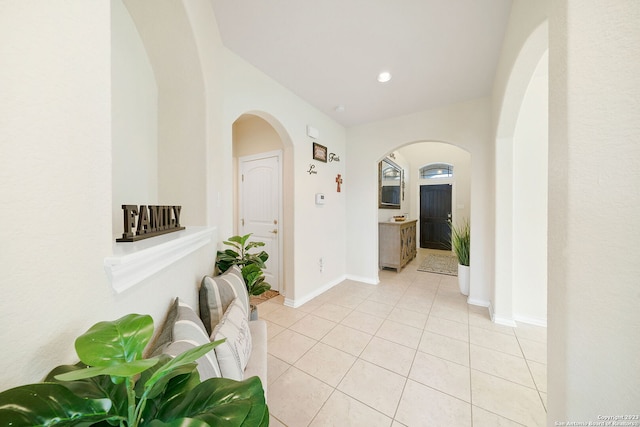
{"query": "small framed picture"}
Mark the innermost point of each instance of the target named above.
(319, 152)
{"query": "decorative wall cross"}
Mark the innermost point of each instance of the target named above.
(339, 181)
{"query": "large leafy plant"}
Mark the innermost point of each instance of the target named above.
(461, 242)
(254, 279)
(114, 385)
(251, 263)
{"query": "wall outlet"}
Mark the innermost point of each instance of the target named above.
(321, 264)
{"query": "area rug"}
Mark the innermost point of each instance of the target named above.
(255, 300)
(440, 263)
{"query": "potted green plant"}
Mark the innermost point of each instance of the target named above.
(461, 244)
(114, 385)
(251, 263)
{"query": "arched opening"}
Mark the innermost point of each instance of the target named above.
(262, 195)
(180, 134)
(435, 159)
(521, 188)
(530, 206)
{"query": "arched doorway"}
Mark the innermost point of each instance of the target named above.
(436, 181)
(521, 189)
(262, 200)
(415, 156)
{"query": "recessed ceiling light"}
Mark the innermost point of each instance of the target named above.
(339, 109)
(384, 77)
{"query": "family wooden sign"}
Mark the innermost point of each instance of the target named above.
(149, 221)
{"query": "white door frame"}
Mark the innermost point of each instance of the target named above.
(260, 156)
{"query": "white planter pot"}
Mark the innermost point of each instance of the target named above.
(463, 279)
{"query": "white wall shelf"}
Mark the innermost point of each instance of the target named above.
(133, 262)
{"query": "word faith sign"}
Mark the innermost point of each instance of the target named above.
(149, 221)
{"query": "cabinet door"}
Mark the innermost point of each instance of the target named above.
(408, 238)
(390, 247)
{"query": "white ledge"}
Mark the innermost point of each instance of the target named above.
(132, 262)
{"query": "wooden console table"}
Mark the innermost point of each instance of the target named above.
(396, 243)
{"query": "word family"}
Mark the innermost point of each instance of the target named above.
(149, 221)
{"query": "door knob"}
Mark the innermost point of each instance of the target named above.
(275, 231)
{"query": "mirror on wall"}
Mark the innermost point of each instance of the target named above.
(390, 183)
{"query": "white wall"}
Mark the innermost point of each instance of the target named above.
(594, 206)
(525, 42)
(465, 125)
(514, 71)
(56, 188)
(315, 231)
(530, 160)
(202, 105)
(56, 179)
(424, 153)
(169, 37)
(134, 118)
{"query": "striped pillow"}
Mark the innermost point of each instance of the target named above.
(233, 354)
(183, 330)
(216, 293)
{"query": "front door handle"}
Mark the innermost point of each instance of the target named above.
(274, 231)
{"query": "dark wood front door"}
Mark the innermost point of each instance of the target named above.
(435, 213)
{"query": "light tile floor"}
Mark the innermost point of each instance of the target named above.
(407, 352)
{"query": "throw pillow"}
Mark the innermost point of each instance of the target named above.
(216, 293)
(233, 355)
(181, 331)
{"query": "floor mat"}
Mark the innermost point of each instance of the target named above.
(255, 300)
(440, 263)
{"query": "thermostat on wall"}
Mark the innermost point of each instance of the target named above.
(319, 199)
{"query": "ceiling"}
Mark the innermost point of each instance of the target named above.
(330, 52)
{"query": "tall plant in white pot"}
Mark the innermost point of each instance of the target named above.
(461, 243)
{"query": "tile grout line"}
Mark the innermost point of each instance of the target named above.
(428, 314)
(532, 376)
(504, 379)
(406, 378)
(356, 358)
(470, 368)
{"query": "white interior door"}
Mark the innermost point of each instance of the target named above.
(260, 208)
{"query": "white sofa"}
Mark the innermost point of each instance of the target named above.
(224, 313)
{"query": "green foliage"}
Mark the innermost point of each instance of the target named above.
(251, 264)
(49, 404)
(114, 385)
(240, 254)
(461, 242)
(254, 279)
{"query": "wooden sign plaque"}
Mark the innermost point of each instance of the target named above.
(149, 221)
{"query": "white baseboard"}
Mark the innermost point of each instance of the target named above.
(478, 302)
(516, 318)
(367, 280)
(536, 321)
(501, 320)
(504, 321)
(295, 303)
(290, 303)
